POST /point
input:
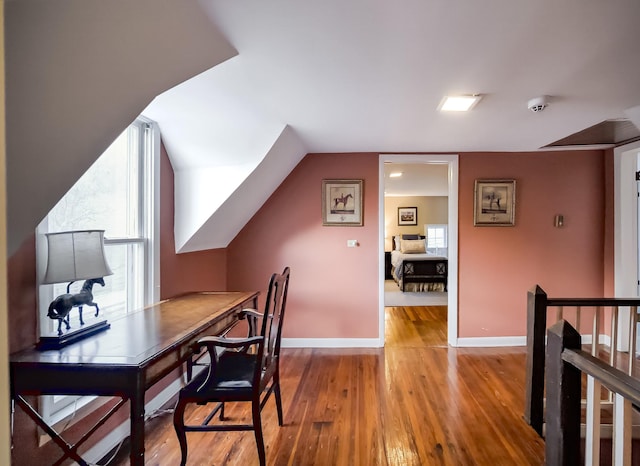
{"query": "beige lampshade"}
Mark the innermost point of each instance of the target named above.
(75, 255)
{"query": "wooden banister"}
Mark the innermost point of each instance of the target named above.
(538, 304)
(566, 361)
(534, 383)
(562, 444)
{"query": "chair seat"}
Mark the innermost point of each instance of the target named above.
(234, 375)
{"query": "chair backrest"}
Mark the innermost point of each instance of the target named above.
(272, 320)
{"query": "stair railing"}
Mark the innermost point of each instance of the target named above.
(617, 339)
(566, 364)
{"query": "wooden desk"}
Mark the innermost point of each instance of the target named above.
(124, 361)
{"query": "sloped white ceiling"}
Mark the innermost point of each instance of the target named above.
(80, 71)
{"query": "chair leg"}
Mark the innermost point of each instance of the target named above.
(276, 393)
(257, 430)
(178, 425)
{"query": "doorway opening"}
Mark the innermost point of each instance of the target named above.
(398, 221)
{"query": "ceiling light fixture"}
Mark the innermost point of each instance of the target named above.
(459, 103)
(395, 175)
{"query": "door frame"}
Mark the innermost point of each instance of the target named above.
(452, 162)
(626, 220)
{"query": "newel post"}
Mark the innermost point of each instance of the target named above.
(562, 442)
(534, 382)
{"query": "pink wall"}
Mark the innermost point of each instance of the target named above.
(333, 291)
(499, 264)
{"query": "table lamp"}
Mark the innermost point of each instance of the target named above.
(72, 256)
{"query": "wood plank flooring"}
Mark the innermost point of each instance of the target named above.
(415, 402)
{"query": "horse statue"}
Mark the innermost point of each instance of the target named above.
(61, 306)
(341, 200)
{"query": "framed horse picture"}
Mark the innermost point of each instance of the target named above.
(342, 203)
(495, 203)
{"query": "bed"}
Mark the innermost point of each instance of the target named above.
(415, 269)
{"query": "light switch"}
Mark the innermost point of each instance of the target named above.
(352, 243)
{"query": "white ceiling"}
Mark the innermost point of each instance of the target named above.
(368, 75)
(424, 179)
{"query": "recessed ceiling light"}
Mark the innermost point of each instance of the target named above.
(395, 175)
(458, 103)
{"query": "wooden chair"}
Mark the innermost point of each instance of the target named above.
(241, 370)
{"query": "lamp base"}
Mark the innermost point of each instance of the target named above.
(47, 343)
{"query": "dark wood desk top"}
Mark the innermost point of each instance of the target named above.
(141, 336)
(137, 351)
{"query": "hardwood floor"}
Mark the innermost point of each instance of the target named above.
(415, 402)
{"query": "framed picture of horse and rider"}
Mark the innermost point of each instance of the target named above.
(494, 203)
(342, 203)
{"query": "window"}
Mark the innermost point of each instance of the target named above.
(436, 237)
(117, 194)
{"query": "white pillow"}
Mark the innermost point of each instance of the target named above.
(412, 246)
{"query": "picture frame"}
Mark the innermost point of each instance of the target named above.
(407, 216)
(494, 203)
(342, 203)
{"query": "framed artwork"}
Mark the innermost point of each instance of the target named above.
(407, 216)
(342, 203)
(494, 203)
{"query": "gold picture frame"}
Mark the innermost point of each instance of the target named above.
(494, 203)
(342, 203)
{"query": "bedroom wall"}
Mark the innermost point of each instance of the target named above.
(335, 289)
(499, 264)
(431, 209)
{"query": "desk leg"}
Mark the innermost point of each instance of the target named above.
(137, 424)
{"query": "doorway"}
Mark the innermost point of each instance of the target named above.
(451, 163)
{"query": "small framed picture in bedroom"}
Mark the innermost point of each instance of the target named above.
(342, 203)
(494, 203)
(407, 216)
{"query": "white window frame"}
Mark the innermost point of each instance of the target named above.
(439, 250)
(55, 409)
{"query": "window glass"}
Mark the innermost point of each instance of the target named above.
(436, 238)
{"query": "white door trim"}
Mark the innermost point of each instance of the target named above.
(452, 161)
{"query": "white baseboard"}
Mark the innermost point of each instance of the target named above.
(490, 342)
(331, 343)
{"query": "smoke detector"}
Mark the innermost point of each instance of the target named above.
(537, 104)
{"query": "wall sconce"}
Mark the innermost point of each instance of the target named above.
(558, 221)
(72, 256)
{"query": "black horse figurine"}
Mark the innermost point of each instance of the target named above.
(61, 306)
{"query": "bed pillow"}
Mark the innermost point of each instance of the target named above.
(412, 246)
(396, 243)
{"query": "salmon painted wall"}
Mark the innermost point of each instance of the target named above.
(333, 289)
(499, 264)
